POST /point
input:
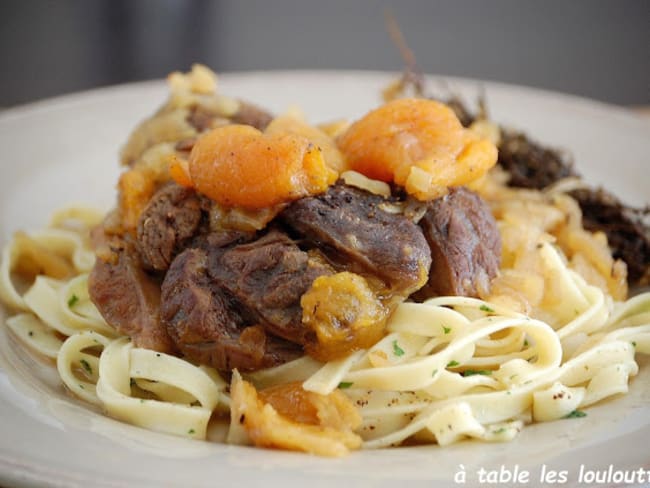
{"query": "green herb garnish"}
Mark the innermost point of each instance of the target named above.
(86, 366)
(472, 372)
(575, 414)
(72, 301)
(453, 363)
(345, 384)
(398, 351)
(191, 431)
(446, 330)
(485, 308)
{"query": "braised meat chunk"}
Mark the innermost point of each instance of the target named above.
(209, 327)
(128, 298)
(465, 245)
(351, 226)
(268, 276)
(249, 114)
(167, 224)
(203, 118)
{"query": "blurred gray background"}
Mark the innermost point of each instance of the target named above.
(594, 48)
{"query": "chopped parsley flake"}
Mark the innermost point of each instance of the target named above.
(633, 343)
(81, 386)
(446, 330)
(31, 334)
(526, 343)
(499, 431)
(191, 431)
(485, 308)
(72, 301)
(452, 363)
(472, 372)
(576, 414)
(345, 384)
(398, 351)
(86, 366)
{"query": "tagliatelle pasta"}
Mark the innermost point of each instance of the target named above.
(59, 321)
(550, 335)
(449, 368)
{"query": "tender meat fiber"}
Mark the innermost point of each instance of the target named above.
(349, 224)
(250, 114)
(209, 327)
(203, 119)
(128, 298)
(268, 277)
(167, 224)
(465, 245)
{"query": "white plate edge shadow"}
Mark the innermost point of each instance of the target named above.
(294, 465)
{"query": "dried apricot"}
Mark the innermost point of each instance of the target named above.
(136, 187)
(237, 165)
(307, 421)
(344, 315)
(419, 144)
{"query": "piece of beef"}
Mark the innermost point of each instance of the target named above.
(128, 298)
(268, 277)
(250, 114)
(465, 245)
(208, 326)
(350, 226)
(168, 223)
(203, 119)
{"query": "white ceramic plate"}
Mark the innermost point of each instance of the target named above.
(63, 150)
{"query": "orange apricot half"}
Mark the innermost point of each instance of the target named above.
(418, 144)
(239, 166)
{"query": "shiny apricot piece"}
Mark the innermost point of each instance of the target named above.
(237, 165)
(327, 431)
(419, 144)
(344, 315)
(136, 188)
(292, 401)
(179, 171)
(307, 407)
